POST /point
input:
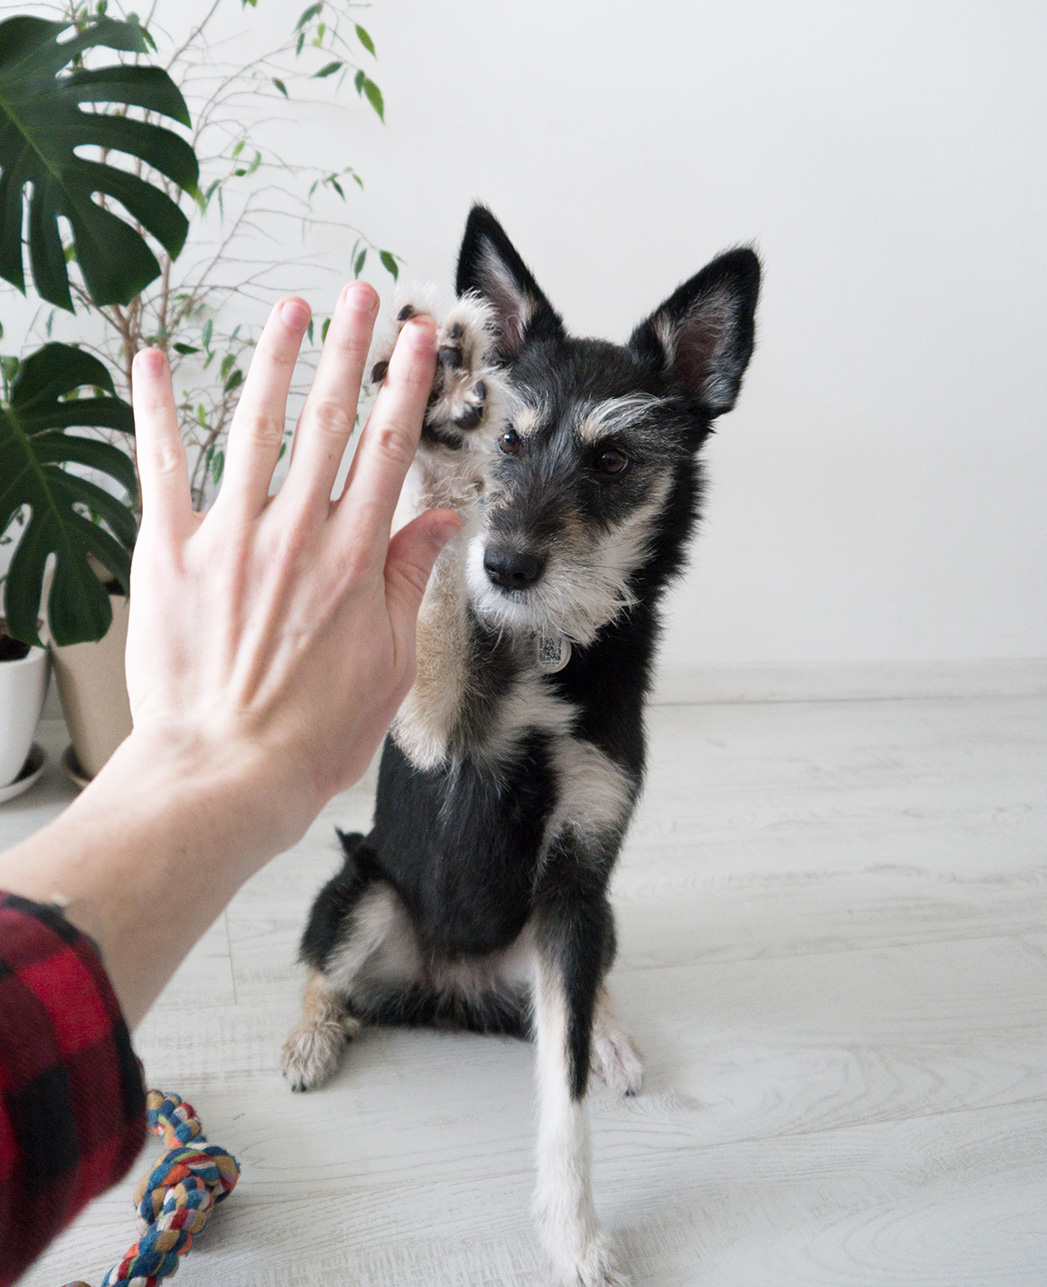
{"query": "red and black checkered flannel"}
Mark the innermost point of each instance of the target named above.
(72, 1101)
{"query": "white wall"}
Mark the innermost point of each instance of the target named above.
(880, 490)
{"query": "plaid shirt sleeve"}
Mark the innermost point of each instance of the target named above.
(72, 1100)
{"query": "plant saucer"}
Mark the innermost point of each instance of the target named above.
(72, 767)
(31, 770)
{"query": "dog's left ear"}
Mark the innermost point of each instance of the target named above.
(489, 266)
(702, 336)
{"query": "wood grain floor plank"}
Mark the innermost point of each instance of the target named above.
(833, 953)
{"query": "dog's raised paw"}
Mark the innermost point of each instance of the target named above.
(468, 388)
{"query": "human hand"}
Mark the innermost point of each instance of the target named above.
(278, 631)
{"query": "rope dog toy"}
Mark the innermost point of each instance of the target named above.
(175, 1199)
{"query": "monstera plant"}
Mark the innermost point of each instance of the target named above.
(52, 109)
(34, 450)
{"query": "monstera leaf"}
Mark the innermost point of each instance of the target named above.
(34, 448)
(41, 127)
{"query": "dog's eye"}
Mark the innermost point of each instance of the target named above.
(509, 442)
(612, 461)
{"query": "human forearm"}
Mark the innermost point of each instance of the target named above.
(146, 858)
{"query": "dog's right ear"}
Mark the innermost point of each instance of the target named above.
(489, 266)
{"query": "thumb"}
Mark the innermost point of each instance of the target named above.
(409, 562)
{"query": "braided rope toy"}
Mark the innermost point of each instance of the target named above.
(175, 1199)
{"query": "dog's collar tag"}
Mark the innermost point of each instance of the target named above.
(553, 653)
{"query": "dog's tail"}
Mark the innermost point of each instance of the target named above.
(335, 901)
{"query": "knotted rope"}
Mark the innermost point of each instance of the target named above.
(175, 1200)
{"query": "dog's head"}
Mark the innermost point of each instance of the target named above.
(594, 485)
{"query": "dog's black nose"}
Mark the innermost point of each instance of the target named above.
(512, 569)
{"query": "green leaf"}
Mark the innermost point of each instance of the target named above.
(34, 450)
(227, 364)
(234, 381)
(298, 43)
(307, 16)
(281, 87)
(238, 149)
(364, 39)
(361, 259)
(208, 328)
(43, 179)
(324, 329)
(374, 97)
(186, 349)
(389, 264)
(309, 331)
(358, 81)
(217, 465)
(329, 70)
(337, 187)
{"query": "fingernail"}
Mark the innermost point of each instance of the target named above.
(295, 313)
(359, 297)
(150, 361)
(421, 331)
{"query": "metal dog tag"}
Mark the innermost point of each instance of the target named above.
(553, 654)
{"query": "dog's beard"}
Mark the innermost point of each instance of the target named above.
(574, 598)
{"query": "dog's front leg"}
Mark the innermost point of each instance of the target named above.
(574, 942)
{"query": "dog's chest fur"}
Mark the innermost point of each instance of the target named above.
(489, 762)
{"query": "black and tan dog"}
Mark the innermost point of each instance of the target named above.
(479, 899)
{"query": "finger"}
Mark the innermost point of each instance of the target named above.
(257, 430)
(163, 471)
(329, 415)
(412, 553)
(390, 439)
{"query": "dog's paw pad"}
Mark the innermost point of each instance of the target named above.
(464, 394)
(474, 407)
(468, 388)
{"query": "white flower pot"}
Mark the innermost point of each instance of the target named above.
(23, 687)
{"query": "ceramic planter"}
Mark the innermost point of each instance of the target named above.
(93, 690)
(23, 687)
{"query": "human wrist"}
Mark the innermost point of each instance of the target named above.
(250, 790)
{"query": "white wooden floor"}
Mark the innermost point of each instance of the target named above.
(833, 928)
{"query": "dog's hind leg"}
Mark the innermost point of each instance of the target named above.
(353, 918)
(573, 933)
(314, 1046)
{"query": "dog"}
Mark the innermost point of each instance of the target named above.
(480, 898)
